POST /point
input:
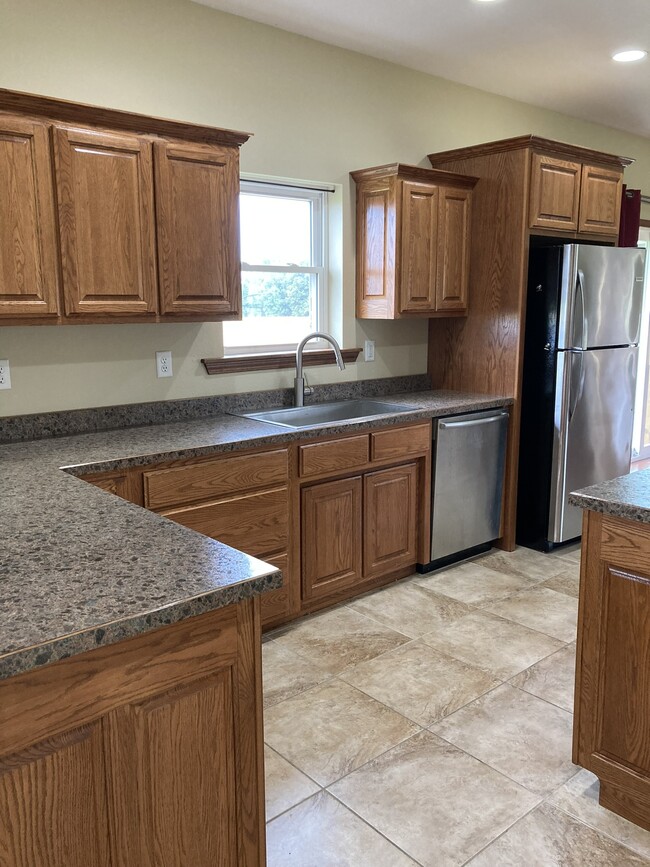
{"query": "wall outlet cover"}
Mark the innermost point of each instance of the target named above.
(5, 373)
(164, 363)
(369, 350)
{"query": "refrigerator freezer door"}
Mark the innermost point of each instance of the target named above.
(593, 431)
(601, 296)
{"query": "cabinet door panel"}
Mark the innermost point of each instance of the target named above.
(105, 199)
(28, 258)
(197, 189)
(375, 250)
(390, 508)
(419, 248)
(454, 222)
(53, 807)
(554, 193)
(331, 533)
(600, 200)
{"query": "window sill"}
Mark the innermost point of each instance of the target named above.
(275, 360)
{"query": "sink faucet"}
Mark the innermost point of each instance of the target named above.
(299, 381)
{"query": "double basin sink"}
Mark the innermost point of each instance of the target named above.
(302, 417)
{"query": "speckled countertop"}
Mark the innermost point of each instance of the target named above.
(81, 568)
(625, 497)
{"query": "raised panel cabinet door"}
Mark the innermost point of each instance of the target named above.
(418, 265)
(197, 201)
(554, 193)
(331, 537)
(390, 514)
(106, 222)
(454, 221)
(600, 200)
(376, 249)
(28, 258)
(53, 807)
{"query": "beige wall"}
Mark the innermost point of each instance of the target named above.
(316, 111)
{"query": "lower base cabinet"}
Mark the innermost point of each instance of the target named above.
(390, 509)
(146, 753)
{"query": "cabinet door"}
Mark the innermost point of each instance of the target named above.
(390, 508)
(554, 193)
(419, 248)
(600, 200)
(454, 221)
(331, 534)
(53, 807)
(28, 260)
(197, 199)
(105, 200)
(376, 250)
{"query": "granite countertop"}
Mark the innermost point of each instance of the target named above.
(81, 568)
(625, 497)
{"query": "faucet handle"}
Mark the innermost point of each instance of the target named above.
(308, 391)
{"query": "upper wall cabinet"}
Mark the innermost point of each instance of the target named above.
(28, 257)
(413, 228)
(574, 195)
(138, 222)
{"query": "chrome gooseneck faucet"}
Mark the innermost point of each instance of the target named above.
(299, 381)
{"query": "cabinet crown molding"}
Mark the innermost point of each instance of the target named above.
(535, 143)
(415, 173)
(60, 110)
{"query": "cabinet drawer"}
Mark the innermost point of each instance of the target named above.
(210, 479)
(400, 442)
(345, 454)
(253, 523)
(277, 605)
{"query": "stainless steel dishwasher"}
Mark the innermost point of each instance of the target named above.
(467, 490)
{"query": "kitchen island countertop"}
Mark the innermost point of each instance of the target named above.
(624, 497)
(81, 568)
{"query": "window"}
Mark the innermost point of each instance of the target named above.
(283, 252)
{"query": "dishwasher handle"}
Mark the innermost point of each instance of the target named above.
(472, 422)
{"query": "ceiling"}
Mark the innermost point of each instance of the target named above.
(550, 53)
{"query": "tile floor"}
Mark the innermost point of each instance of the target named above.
(429, 723)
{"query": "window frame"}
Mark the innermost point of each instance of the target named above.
(317, 194)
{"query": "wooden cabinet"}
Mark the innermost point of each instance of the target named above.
(611, 732)
(331, 531)
(29, 284)
(572, 196)
(106, 222)
(146, 752)
(389, 529)
(413, 241)
(127, 249)
(198, 229)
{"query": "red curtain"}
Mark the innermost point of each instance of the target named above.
(628, 235)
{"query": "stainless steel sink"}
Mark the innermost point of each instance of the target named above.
(325, 413)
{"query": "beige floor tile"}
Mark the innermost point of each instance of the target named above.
(332, 729)
(474, 583)
(409, 608)
(491, 642)
(566, 582)
(579, 797)
(552, 679)
(419, 682)
(321, 832)
(549, 838)
(524, 561)
(435, 802)
(338, 638)
(285, 785)
(285, 674)
(516, 733)
(548, 611)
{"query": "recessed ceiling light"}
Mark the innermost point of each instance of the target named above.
(629, 56)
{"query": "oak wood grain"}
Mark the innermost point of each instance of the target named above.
(389, 520)
(600, 200)
(417, 261)
(554, 193)
(454, 240)
(400, 443)
(346, 453)
(275, 360)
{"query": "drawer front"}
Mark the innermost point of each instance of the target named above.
(277, 605)
(211, 479)
(400, 442)
(344, 454)
(253, 523)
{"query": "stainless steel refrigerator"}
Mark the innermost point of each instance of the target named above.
(580, 364)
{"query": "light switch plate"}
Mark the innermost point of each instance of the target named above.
(369, 350)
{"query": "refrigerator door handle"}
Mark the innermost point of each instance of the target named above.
(575, 389)
(581, 343)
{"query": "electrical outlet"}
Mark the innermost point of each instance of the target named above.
(164, 363)
(5, 374)
(369, 350)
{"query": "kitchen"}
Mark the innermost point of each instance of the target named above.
(119, 56)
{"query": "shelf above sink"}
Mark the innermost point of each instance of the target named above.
(301, 417)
